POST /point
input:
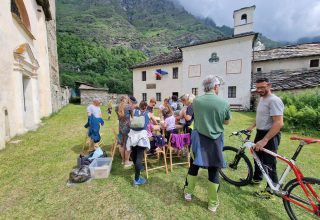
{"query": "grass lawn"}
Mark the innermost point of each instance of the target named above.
(34, 174)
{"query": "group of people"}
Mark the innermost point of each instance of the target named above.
(133, 140)
(204, 117)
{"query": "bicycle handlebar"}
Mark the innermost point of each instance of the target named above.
(237, 133)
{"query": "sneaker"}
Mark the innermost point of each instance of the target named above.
(213, 208)
(140, 181)
(128, 164)
(188, 197)
(255, 182)
(122, 162)
(264, 194)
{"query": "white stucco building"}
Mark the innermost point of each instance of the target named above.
(25, 86)
(228, 58)
(147, 85)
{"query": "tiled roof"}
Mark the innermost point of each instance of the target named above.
(46, 8)
(87, 86)
(174, 57)
(84, 87)
(79, 83)
(289, 80)
(302, 50)
(253, 6)
(222, 39)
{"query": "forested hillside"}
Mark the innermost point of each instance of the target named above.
(100, 66)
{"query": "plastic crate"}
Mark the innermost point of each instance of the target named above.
(100, 167)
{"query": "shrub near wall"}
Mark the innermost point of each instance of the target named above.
(302, 110)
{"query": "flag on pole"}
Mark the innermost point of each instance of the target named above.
(162, 72)
(159, 73)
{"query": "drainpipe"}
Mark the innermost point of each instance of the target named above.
(252, 98)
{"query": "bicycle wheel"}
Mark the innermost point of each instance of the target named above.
(296, 193)
(239, 170)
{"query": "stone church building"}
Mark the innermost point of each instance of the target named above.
(29, 86)
(229, 58)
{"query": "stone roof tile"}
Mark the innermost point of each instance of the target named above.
(174, 57)
(302, 50)
(291, 79)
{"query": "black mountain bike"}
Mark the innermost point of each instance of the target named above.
(239, 170)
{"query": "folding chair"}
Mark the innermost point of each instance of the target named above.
(179, 154)
(114, 143)
(88, 143)
(159, 151)
(180, 128)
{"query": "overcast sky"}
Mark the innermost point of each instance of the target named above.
(281, 20)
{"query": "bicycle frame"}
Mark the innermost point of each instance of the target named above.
(276, 187)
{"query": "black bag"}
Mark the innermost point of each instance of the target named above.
(84, 160)
(80, 175)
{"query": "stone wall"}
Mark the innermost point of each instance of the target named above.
(65, 96)
(87, 95)
(56, 93)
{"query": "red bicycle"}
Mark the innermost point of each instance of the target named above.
(301, 196)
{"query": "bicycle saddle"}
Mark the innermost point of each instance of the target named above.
(307, 140)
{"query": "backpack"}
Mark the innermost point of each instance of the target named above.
(138, 120)
(80, 175)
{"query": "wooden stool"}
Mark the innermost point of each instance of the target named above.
(158, 152)
(115, 142)
(169, 150)
(88, 143)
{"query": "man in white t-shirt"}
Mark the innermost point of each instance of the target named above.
(94, 108)
(269, 121)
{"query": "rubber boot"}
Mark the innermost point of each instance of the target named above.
(190, 184)
(189, 187)
(213, 196)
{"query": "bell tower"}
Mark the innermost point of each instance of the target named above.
(243, 20)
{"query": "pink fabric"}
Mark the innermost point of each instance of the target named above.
(180, 140)
(149, 129)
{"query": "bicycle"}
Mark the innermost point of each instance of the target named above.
(296, 200)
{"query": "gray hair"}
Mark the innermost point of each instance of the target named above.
(188, 97)
(210, 82)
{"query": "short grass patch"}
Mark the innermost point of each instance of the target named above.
(34, 173)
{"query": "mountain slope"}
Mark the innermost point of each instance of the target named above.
(308, 40)
(148, 25)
